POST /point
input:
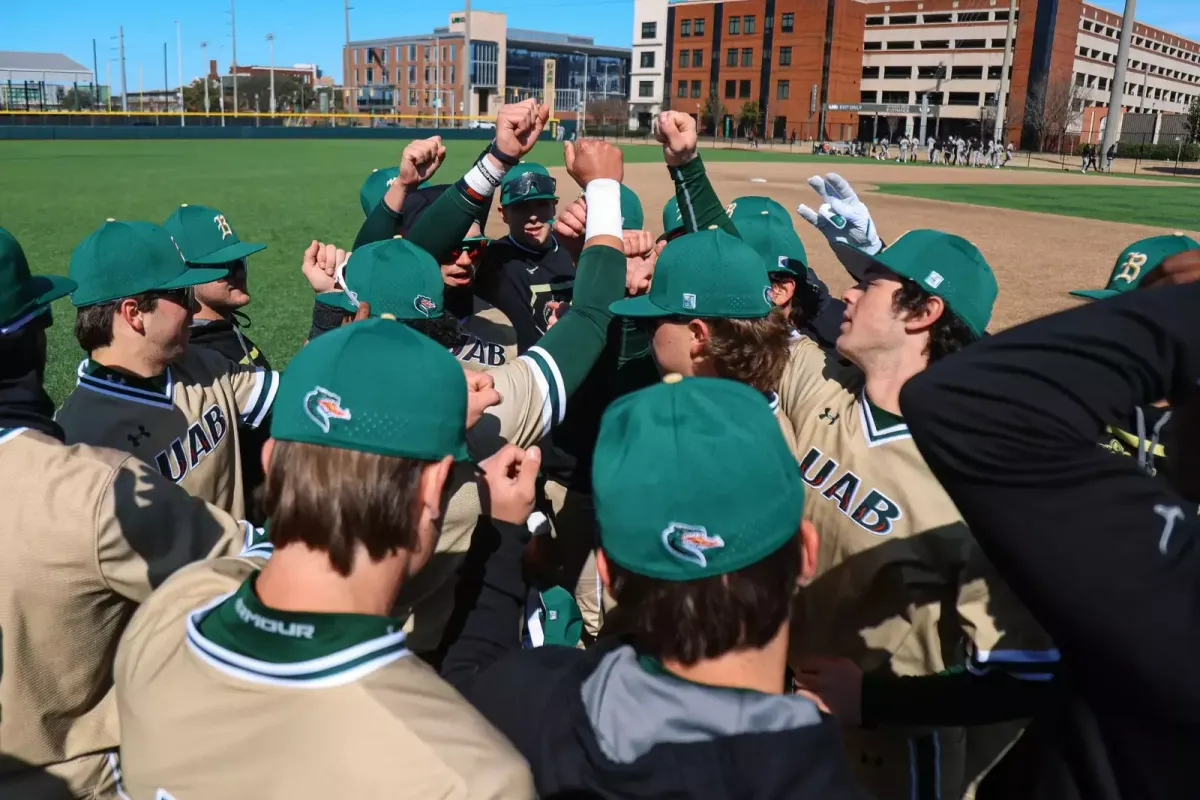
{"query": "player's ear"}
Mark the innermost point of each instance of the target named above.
(602, 570)
(924, 318)
(129, 313)
(268, 448)
(429, 488)
(783, 290)
(810, 543)
(504, 214)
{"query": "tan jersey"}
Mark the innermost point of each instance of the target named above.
(491, 341)
(188, 427)
(900, 584)
(223, 697)
(533, 400)
(86, 534)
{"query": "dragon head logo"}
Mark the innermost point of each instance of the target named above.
(323, 406)
(424, 305)
(690, 542)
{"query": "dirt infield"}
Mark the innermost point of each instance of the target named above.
(1038, 258)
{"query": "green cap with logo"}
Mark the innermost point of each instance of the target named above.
(1136, 261)
(376, 186)
(121, 259)
(395, 277)
(23, 295)
(205, 237)
(527, 181)
(942, 264)
(704, 274)
(672, 220)
(776, 242)
(557, 615)
(334, 393)
(692, 478)
(632, 216)
(755, 206)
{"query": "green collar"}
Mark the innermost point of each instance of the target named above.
(880, 426)
(241, 636)
(157, 384)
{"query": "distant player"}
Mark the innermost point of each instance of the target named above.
(903, 157)
(931, 150)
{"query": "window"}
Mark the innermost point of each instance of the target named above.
(695, 88)
(697, 58)
(770, 24)
(972, 16)
(964, 98)
(452, 53)
(936, 44)
(412, 56)
(897, 98)
(874, 21)
(872, 45)
(453, 78)
(970, 44)
(685, 58)
(967, 73)
(730, 89)
(903, 19)
(685, 28)
(645, 88)
(897, 72)
(683, 89)
(783, 90)
(994, 73)
(1079, 78)
(998, 43)
(370, 75)
(731, 57)
(900, 46)
(929, 73)
(937, 98)
(748, 24)
(699, 26)
(1083, 52)
(743, 88)
(1002, 16)
(870, 72)
(412, 97)
(868, 97)
(649, 30)
(426, 76)
(647, 60)
(789, 22)
(785, 56)
(412, 73)
(1087, 25)
(937, 19)
(748, 56)
(735, 25)
(427, 49)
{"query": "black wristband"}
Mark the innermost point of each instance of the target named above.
(503, 158)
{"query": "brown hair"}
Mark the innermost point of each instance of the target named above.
(753, 351)
(94, 323)
(333, 500)
(947, 335)
(688, 621)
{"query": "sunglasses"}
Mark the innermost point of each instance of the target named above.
(185, 296)
(531, 183)
(473, 249)
(237, 265)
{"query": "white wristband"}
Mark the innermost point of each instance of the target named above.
(484, 177)
(603, 197)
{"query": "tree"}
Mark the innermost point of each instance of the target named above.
(81, 99)
(608, 110)
(892, 124)
(1053, 108)
(193, 96)
(748, 116)
(1193, 120)
(714, 112)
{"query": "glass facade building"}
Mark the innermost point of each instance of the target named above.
(605, 69)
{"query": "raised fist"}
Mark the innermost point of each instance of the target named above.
(510, 478)
(570, 225)
(591, 159)
(676, 132)
(420, 160)
(518, 126)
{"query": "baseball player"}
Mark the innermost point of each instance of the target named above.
(960, 153)
(903, 157)
(87, 533)
(141, 389)
(931, 150)
(229, 649)
(696, 544)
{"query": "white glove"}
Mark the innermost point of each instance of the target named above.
(842, 217)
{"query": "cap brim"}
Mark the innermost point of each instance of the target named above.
(337, 300)
(1095, 294)
(856, 261)
(192, 277)
(639, 306)
(528, 199)
(231, 253)
(48, 288)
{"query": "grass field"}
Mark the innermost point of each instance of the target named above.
(1158, 206)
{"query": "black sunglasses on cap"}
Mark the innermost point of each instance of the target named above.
(530, 183)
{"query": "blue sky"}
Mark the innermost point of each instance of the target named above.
(314, 30)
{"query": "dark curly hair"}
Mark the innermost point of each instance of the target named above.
(948, 335)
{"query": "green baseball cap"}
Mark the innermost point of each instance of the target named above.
(527, 181)
(677, 507)
(776, 243)
(632, 216)
(204, 236)
(398, 279)
(121, 259)
(942, 264)
(1136, 261)
(334, 393)
(704, 274)
(376, 186)
(671, 218)
(755, 206)
(23, 295)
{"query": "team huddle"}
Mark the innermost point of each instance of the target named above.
(594, 511)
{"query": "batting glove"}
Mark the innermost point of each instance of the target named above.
(842, 217)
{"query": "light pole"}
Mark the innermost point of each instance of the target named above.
(179, 68)
(233, 37)
(1116, 94)
(204, 63)
(1001, 98)
(271, 48)
(583, 102)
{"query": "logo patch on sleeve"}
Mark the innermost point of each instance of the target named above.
(690, 542)
(323, 406)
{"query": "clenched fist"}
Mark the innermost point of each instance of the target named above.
(320, 266)
(570, 225)
(518, 126)
(592, 159)
(510, 480)
(420, 160)
(676, 132)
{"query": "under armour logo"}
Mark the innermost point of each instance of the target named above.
(223, 226)
(829, 416)
(136, 438)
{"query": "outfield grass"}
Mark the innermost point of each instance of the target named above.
(1159, 206)
(280, 193)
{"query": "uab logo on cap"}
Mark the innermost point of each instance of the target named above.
(424, 305)
(323, 406)
(690, 542)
